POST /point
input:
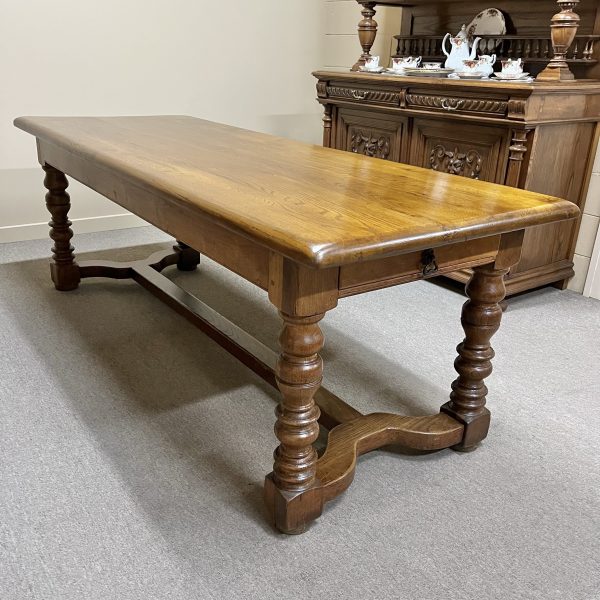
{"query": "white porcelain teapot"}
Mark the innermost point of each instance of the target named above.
(460, 49)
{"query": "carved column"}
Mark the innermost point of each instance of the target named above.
(367, 32)
(481, 317)
(517, 152)
(327, 122)
(563, 30)
(63, 268)
(187, 258)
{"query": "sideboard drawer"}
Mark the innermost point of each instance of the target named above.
(364, 95)
(456, 103)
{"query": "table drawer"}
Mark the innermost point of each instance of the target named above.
(386, 272)
(457, 103)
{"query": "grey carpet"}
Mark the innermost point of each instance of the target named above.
(133, 448)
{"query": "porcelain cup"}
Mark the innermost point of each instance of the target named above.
(432, 65)
(486, 63)
(372, 62)
(406, 62)
(512, 67)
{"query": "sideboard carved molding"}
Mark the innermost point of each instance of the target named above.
(539, 137)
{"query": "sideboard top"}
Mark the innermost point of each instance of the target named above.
(318, 206)
(537, 87)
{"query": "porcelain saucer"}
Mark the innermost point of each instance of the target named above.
(377, 70)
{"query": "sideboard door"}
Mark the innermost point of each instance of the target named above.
(475, 151)
(371, 134)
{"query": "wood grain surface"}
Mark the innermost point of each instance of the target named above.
(317, 206)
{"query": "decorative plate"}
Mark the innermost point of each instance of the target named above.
(487, 22)
(401, 72)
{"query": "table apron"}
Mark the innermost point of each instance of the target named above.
(235, 252)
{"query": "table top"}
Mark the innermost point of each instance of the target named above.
(318, 206)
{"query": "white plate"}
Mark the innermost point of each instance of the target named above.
(395, 72)
(488, 22)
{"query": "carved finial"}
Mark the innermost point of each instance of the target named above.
(563, 31)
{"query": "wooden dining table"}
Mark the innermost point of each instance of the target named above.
(310, 226)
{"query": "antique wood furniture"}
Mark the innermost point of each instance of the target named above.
(531, 27)
(540, 137)
(309, 226)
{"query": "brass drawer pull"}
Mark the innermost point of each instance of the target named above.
(359, 95)
(447, 106)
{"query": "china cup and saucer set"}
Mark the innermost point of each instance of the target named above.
(462, 61)
(478, 68)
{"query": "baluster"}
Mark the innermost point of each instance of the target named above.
(575, 49)
(589, 50)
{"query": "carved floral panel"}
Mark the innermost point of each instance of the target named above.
(369, 143)
(456, 162)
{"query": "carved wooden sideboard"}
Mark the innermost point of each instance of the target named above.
(540, 137)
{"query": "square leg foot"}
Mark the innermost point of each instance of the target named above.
(476, 428)
(187, 258)
(292, 512)
(65, 277)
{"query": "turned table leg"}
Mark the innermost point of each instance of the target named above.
(481, 317)
(187, 258)
(299, 375)
(63, 268)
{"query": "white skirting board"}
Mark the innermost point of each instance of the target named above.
(23, 213)
(592, 282)
(38, 231)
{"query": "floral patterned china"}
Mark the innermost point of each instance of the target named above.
(487, 22)
(406, 62)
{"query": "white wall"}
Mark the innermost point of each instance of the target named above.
(237, 62)
(342, 47)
